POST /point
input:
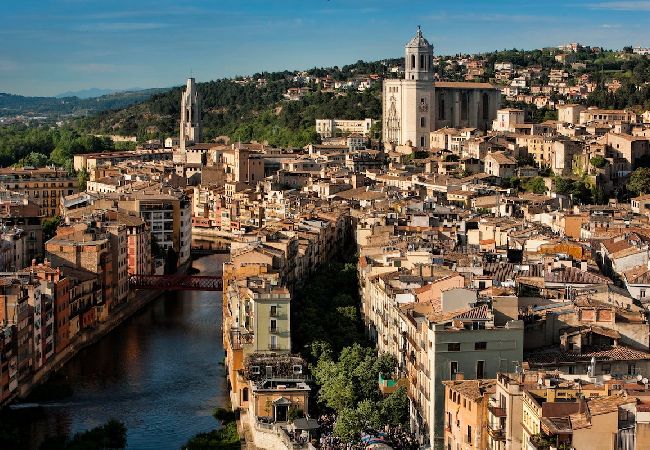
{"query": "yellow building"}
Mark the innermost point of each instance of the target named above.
(466, 403)
(45, 186)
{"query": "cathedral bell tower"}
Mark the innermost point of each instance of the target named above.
(418, 63)
(190, 115)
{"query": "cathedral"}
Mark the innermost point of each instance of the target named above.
(416, 105)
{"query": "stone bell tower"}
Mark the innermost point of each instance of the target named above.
(418, 62)
(190, 115)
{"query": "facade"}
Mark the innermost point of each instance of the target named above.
(190, 115)
(45, 186)
(415, 106)
(88, 247)
(466, 413)
(334, 127)
(507, 119)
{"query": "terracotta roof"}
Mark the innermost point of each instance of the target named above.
(479, 313)
(554, 355)
(573, 275)
(473, 389)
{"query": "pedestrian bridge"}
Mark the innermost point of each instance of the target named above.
(177, 282)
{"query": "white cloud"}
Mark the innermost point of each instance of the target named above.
(622, 6)
(122, 26)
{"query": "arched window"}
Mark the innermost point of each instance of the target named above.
(486, 106)
(422, 66)
(422, 141)
(412, 61)
(464, 106)
(441, 109)
(422, 122)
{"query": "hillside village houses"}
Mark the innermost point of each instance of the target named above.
(517, 312)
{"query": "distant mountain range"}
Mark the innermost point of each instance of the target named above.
(96, 92)
(72, 105)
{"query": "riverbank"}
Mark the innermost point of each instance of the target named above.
(138, 300)
(159, 373)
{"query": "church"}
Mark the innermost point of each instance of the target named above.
(416, 105)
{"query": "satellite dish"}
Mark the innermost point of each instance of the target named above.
(639, 377)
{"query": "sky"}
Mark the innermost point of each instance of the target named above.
(52, 46)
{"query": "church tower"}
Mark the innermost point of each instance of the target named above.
(408, 102)
(190, 115)
(418, 63)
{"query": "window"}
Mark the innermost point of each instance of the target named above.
(642, 293)
(480, 369)
(412, 61)
(453, 369)
(480, 345)
(453, 347)
(274, 311)
(469, 434)
(421, 62)
(464, 106)
(244, 394)
(441, 109)
(422, 141)
(631, 369)
(486, 107)
(255, 370)
(274, 325)
(422, 121)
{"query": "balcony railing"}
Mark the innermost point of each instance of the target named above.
(497, 432)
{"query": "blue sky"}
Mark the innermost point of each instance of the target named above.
(51, 46)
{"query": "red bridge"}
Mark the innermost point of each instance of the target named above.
(176, 282)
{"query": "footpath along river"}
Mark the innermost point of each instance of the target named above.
(159, 372)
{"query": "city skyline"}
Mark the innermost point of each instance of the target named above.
(63, 45)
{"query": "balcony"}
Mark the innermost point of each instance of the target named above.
(274, 330)
(274, 347)
(496, 432)
(388, 386)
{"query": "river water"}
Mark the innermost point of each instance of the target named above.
(160, 372)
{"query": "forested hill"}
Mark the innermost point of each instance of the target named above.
(247, 109)
(55, 107)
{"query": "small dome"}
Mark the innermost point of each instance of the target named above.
(418, 40)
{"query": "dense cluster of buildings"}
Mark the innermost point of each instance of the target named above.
(517, 319)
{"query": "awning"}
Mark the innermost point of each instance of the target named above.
(306, 424)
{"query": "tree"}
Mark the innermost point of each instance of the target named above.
(562, 185)
(639, 182)
(50, 225)
(394, 409)
(82, 180)
(35, 159)
(535, 185)
(598, 161)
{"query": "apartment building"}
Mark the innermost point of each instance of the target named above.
(466, 413)
(44, 186)
(89, 246)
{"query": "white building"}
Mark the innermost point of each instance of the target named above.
(333, 127)
(507, 119)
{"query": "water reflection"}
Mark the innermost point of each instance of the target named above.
(159, 373)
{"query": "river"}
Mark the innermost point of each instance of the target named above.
(160, 372)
